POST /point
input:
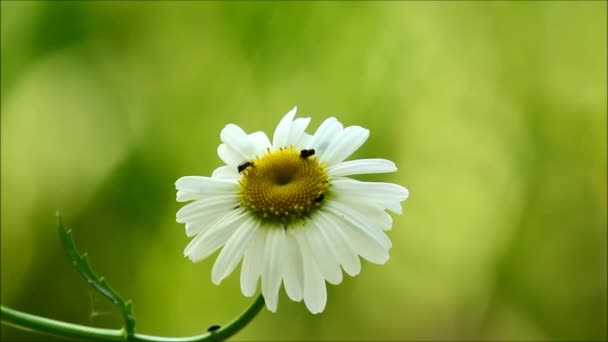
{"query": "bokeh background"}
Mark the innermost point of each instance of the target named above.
(495, 113)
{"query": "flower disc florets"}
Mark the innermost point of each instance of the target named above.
(283, 185)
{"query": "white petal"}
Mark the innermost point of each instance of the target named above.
(340, 245)
(271, 269)
(358, 219)
(206, 185)
(198, 188)
(271, 298)
(201, 225)
(238, 141)
(386, 195)
(297, 131)
(361, 219)
(315, 293)
(372, 213)
(325, 135)
(281, 133)
(205, 207)
(260, 141)
(293, 271)
(304, 142)
(365, 244)
(361, 167)
(233, 251)
(184, 196)
(229, 156)
(252, 263)
(372, 190)
(345, 143)
(324, 257)
(226, 172)
(204, 244)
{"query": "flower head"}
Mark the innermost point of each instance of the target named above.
(287, 209)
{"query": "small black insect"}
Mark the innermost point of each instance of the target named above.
(307, 153)
(244, 165)
(213, 328)
(320, 198)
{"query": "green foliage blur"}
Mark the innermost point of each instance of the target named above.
(495, 113)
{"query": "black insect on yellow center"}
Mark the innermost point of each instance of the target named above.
(307, 153)
(283, 185)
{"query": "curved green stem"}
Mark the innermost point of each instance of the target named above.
(26, 321)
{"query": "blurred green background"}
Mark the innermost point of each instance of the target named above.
(495, 113)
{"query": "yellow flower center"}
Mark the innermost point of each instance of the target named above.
(283, 185)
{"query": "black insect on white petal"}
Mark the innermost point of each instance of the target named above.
(307, 153)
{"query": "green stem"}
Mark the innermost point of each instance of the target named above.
(81, 263)
(26, 321)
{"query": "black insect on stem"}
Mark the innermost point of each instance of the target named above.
(213, 328)
(307, 153)
(244, 165)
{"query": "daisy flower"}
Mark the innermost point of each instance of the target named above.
(287, 209)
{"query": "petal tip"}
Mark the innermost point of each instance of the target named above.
(215, 279)
(292, 112)
(406, 194)
(316, 310)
